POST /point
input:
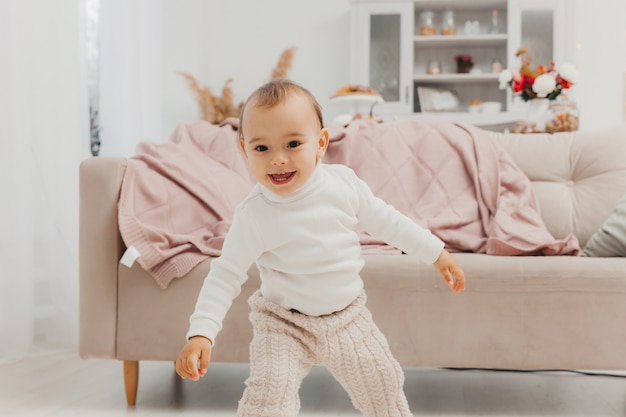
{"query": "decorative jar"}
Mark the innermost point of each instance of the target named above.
(447, 24)
(427, 23)
(562, 116)
(433, 67)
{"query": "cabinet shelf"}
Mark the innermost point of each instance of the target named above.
(458, 4)
(455, 78)
(476, 119)
(499, 39)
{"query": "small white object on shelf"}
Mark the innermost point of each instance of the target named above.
(472, 27)
(491, 107)
(475, 108)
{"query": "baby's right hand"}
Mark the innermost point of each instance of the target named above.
(451, 271)
(198, 348)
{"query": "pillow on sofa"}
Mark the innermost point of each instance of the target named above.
(610, 239)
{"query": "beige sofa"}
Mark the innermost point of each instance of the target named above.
(528, 312)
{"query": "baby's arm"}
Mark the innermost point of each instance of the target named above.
(223, 283)
(198, 348)
(451, 271)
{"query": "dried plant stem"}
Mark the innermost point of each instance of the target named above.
(215, 109)
(284, 63)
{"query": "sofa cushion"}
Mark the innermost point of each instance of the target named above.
(610, 239)
(577, 176)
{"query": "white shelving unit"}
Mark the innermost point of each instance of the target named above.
(389, 54)
(484, 47)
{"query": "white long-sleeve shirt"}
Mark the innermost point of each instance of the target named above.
(306, 247)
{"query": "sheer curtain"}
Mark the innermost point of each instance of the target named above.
(131, 74)
(44, 134)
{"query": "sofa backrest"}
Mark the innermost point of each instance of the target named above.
(578, 177)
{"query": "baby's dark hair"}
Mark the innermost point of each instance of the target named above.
(275, 92)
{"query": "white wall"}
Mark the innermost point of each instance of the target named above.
(599, 48)
(221, 39)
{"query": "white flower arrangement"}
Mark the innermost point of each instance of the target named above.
(542, 82)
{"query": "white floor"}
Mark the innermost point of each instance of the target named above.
(61, 384)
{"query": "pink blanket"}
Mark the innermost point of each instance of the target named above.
(452, 179)
(178, 197)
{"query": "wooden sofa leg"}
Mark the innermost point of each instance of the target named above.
(131, 380)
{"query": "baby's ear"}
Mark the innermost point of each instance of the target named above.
(242, 145)
(323, 143)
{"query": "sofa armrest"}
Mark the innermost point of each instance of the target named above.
(100, 248)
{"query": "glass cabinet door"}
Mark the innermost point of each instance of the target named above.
(384, 54)
(382, 44)
(537, 34)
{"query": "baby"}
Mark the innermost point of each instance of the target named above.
(298, 225)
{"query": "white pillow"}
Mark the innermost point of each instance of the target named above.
(610, 239)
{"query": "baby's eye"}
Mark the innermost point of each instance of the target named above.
(260, 148)
(293, 144)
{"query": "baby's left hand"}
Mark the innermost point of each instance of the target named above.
(451, 271)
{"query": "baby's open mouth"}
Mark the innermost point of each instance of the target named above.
(281, 178)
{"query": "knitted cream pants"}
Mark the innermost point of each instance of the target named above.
(286, 344)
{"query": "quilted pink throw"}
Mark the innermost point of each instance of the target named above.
(452, 179)
(178, 197)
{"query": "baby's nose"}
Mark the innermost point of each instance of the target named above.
(279, 158)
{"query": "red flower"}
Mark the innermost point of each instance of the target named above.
(526, 81)
(463, 58)
(564, 83)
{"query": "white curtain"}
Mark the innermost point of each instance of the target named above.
(44, 135)
(131, 74)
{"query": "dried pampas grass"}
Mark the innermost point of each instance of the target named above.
(215, 109)
(284, 64)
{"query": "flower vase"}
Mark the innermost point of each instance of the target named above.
(537, 112)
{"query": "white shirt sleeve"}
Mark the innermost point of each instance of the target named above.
(384, 222)
(242, 246)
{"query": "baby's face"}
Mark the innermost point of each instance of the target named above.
(283, 143)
